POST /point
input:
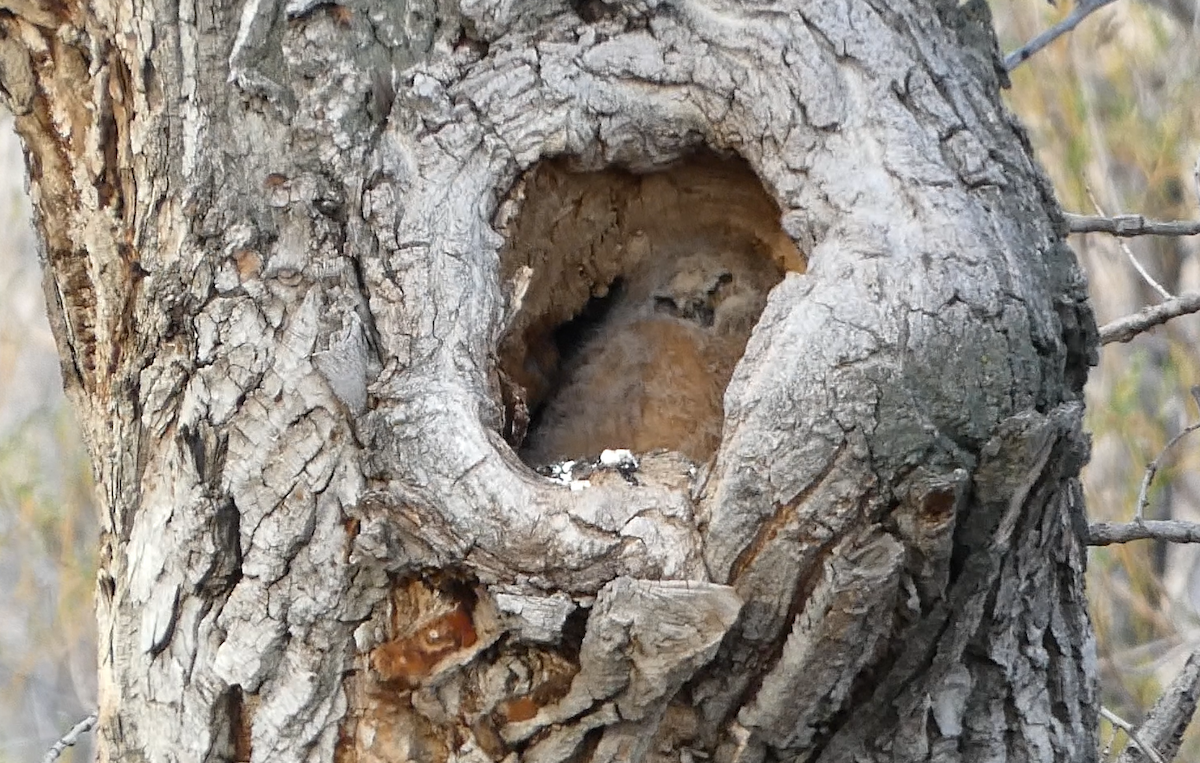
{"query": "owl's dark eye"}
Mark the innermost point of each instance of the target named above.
(701, 313)
(725, 277)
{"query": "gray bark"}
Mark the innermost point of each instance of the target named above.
(275, 247)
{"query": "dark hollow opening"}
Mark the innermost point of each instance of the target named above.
(643, 290)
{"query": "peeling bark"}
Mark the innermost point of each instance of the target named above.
(283, 256)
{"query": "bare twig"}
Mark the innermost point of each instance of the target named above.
(1124, 329)
(1137, 265)
(1108, 744)
(1147, 658)
(1152, 469)
(1080, 12)
(1167, 530)
(70, 738)
(1131, 225)
(1173, 531)
(1196, 166)
(1163, 728)
(1128, 728)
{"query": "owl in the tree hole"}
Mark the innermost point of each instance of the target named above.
(652, 373)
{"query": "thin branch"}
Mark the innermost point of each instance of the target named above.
(1128, 728)
(1137, 265)
(1108, 745)
(1079, 13)
(1148, 658)
(1124, 329)
(1163, 728)
(70, 738)
(1196, 166)
(1152, 469)
(1131, 225)
(1166, 530)
(1172, 531)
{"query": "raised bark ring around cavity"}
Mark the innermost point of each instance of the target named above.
(875, 312)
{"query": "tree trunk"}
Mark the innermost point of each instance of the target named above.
(309, 266)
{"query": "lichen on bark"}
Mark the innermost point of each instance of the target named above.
(273, 237)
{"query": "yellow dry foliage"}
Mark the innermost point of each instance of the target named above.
(1112, 112)
(48, 535)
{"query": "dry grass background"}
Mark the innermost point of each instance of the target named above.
(1113, 111)
(48, 533)
(1113, 107)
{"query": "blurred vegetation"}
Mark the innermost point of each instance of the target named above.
(48, 537)
(1110, 108)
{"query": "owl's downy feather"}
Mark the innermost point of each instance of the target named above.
(653, 372)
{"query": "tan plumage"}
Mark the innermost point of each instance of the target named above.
(653, 372)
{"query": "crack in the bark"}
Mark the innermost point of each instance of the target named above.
(783, 515)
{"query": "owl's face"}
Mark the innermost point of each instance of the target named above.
(694, 296)
(719, 289)
(651, 371)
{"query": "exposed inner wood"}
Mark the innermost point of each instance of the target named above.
(642, 293)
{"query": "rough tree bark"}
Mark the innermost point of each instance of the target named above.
(280, 259)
